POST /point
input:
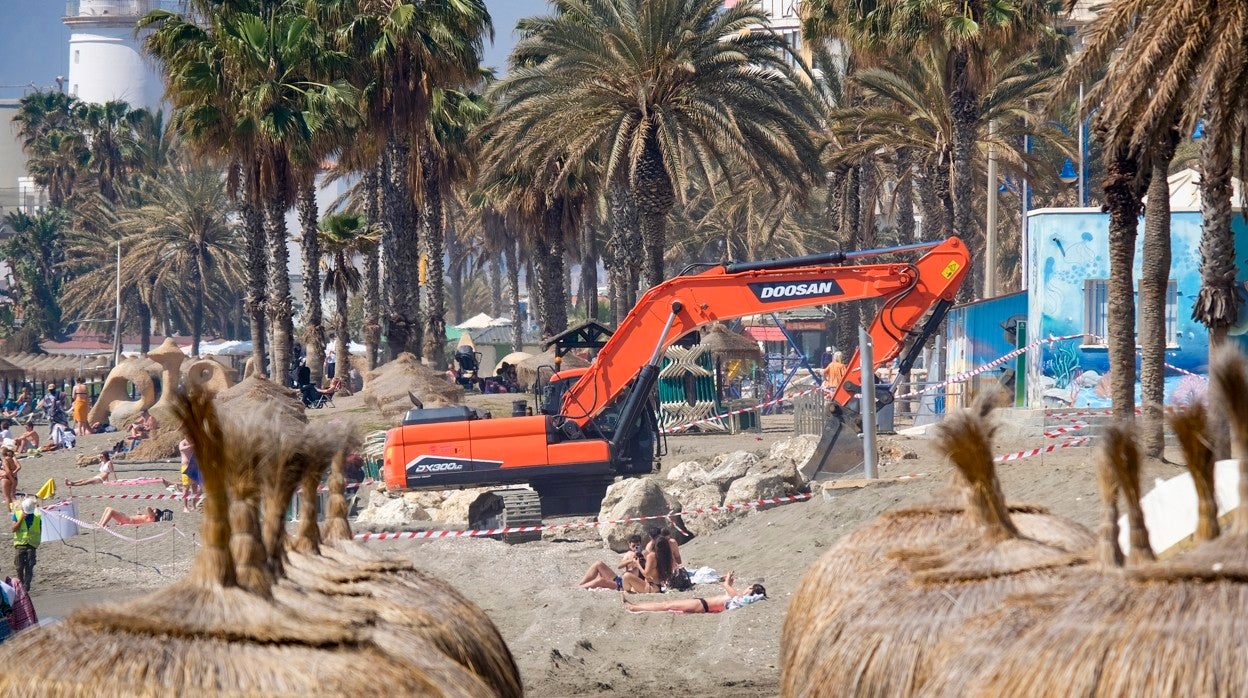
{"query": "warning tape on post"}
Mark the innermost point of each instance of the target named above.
(1019, 455)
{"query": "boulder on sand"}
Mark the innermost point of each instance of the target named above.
(729, 466)
(754, 487)
(385, 513)
(689, 470)
(796, 450)
(454, 509)
(703, 497)
(630, 498)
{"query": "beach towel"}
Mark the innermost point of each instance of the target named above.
(134, 481)
(705, 575)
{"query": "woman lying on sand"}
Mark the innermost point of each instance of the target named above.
(146, 516)
(730, 600)
(106, 472)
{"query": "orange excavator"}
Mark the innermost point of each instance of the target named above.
(599, 422)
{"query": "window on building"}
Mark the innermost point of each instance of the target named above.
(1096, 311)
(75, 55)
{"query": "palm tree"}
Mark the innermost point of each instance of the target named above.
(1154, 284)
(343, 235)
(1167, 62)
(266, 66)
(446, 157)
(183, 238)
(112, 130)
(654, 92)
(34, 255)
(51, 134)
(407, 50)
(967, 33)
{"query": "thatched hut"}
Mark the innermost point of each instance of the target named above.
(539, 368)
(234, 625)
(871, 629)
(1157, 629)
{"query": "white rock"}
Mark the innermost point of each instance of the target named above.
(796, 450)
(702, 524)
(392, 514)
(787, 470)
(730, 467)
(754, 487)
(688, 470)
(629, 498)
(454, 509)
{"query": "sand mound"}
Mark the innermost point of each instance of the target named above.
(163, 445)
(258, 393)
(387, 386)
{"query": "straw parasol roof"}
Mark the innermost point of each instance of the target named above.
(238, 626)
(725, 344)
(879, 637)
(514, 359)
(527, 371)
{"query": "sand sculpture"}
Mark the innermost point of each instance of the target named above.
(114, 404)
(170, 358)
(207, 375)
(254, 618)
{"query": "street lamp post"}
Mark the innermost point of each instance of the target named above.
(117, 311)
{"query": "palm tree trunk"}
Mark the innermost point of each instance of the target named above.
(849, 315)
(496, 285)
(555, 286)
(534, 280)
(964, 115)
(513, 291)
(197, 312)
(401, 247)
(145, 328)
(655, 198)
(435, 248)
(625, 234)
(833, 208)
(459, 259)
(1216, 305)
(313, 315)
(281, 324)
(1154, 283)
(257, 277)
(589, 272)
(372, 269)
(342, 328)
(905, 196)
(867, 190)
(1123, 201)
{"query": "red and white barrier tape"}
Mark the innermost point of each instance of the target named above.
(967, 375)
(1059, 431)
(1186, 372)
(1037, 451)
(400, 535)
(178, 497)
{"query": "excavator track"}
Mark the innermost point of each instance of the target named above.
(508, 508)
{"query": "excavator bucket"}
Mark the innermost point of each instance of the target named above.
(840, 448)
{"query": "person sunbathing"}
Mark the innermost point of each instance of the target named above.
(28, 439)
(599, 576)
(106, 472)
(146, 516)
(730, 600)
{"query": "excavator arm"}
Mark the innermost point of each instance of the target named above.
(674, 308)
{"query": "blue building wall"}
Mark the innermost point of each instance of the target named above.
(977, 333)
(1066, 248)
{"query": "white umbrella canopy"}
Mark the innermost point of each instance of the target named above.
(479, 321)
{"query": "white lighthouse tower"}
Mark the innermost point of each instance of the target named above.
(106, 60)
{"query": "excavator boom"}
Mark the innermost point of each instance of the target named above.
(908, 292)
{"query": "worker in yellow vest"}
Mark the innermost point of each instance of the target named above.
(27, 533)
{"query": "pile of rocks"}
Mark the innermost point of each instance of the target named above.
(729, 478)
(389, 511)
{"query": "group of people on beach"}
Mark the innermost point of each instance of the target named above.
(656, 568)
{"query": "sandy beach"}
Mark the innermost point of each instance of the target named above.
(569, 641)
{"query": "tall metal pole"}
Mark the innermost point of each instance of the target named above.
(867, 402)
(117, 313)
(990, 230)
(1083, 197)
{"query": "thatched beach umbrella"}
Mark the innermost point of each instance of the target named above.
(542, 365)
(879, 639)
(725, 344)
(220, 630)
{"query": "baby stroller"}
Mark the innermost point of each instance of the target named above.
(314, 398)
(469, 363)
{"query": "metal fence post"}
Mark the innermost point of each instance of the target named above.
(867, 402)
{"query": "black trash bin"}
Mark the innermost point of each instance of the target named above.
(519, 408)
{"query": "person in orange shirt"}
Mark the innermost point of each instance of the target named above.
(834, 372)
